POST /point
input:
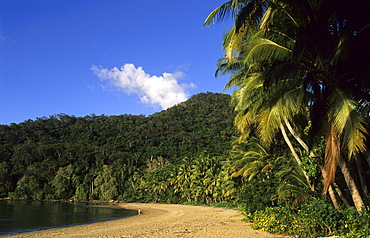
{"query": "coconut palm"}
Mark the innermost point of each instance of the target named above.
(249, 159)
(202, 187)
(293, 58)
(217, 183)
(225, 186)
(293, 187)
(182, 181)
(265, 109)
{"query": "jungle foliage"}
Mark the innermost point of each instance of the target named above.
(110, 157)
(300, 69)
(131, 158)
(300, 72)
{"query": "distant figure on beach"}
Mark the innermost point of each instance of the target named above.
(139, 211)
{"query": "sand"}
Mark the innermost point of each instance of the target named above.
(163, 220)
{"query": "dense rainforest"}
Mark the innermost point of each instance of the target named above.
(190, 153)
(110, 157)
(290, 146)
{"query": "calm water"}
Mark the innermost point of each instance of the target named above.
(24, 216)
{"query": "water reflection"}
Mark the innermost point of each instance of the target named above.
(25, 216)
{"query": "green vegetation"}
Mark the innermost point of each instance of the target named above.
(301, 108)
(300, 72)
(122, 157)
(314, 219)
(130, 158)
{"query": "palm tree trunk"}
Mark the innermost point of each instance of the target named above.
(342, 197)
(295, 135)
(362, 180)
(314, 155)
(356, 196)
(331, 192)
(334, 199)
(295, 155)
(367, 156)
(357, 199)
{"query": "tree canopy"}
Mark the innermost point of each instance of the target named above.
(62, 156)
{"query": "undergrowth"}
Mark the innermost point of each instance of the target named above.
(314, 219)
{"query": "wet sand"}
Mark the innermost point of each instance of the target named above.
(162, 220)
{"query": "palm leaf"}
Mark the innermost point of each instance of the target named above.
(220, 14)
(269, 120)
(232, 43)
(251, 14)
(267, 49)
(347, 121)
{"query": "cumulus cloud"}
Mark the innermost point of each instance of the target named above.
(163, 90)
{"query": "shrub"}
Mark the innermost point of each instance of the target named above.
(273, 220)
(314, 219)
(354, 224)
(320, 218)
(257, 193)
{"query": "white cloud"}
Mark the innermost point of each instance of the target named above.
(154, 90)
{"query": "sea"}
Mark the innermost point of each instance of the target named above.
(28, 216)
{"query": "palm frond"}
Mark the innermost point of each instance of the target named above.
(291, 103)
(269, 120)
(293, 186)
(232, 43)
(347, 121)
(281, 71)
(220, 14)
(332, 153)
(267, 167)
(267, 49)
(229, 66)
(251, 14)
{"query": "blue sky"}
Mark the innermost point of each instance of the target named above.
(105, 57)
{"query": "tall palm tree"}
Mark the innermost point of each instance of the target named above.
(225, 186)
(182, 181)
(292, 58)
(212, 180)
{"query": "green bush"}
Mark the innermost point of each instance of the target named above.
(316, 218)
(284, 221)
(354, 224)
(273, 220)
(256, 194)
(320, 218)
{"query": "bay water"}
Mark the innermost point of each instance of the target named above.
(27, 216)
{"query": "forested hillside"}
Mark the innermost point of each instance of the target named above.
(101, 157)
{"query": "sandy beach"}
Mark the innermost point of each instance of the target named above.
(163, 220)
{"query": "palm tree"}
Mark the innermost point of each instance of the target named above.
(249, 159)
(293, 187)
(265, 109)
(199, 168)
(225, 186)
(182, 181)
(294, 58)
(215, 179)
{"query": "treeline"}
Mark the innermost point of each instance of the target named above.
(190, 153)
(110, 157)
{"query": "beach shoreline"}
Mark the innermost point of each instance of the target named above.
(161, 220)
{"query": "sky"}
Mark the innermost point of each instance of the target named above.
(106, 57)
